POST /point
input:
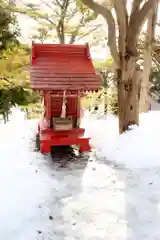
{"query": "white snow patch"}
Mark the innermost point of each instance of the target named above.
(138, 148)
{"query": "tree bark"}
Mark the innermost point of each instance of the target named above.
(127, 94)
(60, 32)
(105, 100)
(105, 83)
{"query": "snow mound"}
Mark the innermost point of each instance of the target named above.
(138, 148)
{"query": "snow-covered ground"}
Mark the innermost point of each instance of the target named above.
(138, 148)
(115, 197)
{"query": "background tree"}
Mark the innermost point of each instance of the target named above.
(65, 20)
(156, 54)
(124, 53)
(154, 78)
(108, 82)
(147, 66)
(9, 30)
(14, 63)
(41, 35)
(14, 82)
(155, 74)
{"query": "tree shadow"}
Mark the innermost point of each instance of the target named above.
(135, 198)
(138, 202)
(58, 209)
(142, 198)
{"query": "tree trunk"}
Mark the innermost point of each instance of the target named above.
(144, 88)
(106, 96)
(4, 117)
(60, 32)
(105, 101)
(127, 94)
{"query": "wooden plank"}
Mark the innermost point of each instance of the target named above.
(65, 82)
(64, 56)
(64, 51)
(60, 63)
(87, 84)
(63, 67)
(65, 78)
(59, 46)
(47, 88)
(57, 61)
(67, 73)
(33, 72)
(64, 71)
(60, 87)
(53, 47)
(53, 61)
(59, 53)
(61, 58)
(63, 85)
(83, 90)
(62, 75)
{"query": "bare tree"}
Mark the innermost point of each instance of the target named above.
(125, 52)
(107, 72)
(41, 35)
(67, 20)
(149, 40)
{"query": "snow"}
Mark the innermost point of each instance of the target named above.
(115, 196)
(134, 149)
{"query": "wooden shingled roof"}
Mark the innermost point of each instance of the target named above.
(62, 67)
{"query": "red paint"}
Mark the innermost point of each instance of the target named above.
(62, 67)
(55, 68)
